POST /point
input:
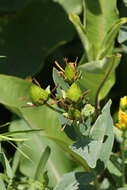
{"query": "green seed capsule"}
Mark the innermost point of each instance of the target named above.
(74, 113)
(38, 95)
(74, 93)
(70, 72)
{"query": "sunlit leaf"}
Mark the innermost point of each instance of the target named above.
(75, 181)
(98, 145)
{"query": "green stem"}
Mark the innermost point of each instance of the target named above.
(97, 185)
(97, 101)
(54, 109)
(123, 159)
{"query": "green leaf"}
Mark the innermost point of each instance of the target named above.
(82, 34)
(12, 133)
(114, 167)
(16, 161)
(41, 165)
(122, 37)
(98, 145)
(99, 77)
(71, 6)
(76, 180)
(59, 81)
(6, 165)
(33, 149)
(13, 89)
(109, 39)
(25, 46)
(100, 16)
(2, 185)
(125, 2)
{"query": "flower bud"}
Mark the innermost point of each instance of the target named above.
(88, 110)
(74, 93)
(38, 95)
(74, 113)
(70, 72)
(122, 118)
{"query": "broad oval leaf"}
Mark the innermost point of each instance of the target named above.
(31, 34)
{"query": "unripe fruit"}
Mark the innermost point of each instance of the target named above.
(74, 93)
(70, 72)
(38, 95)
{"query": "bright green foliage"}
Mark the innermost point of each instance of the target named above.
(41, 165)
(97, 33)
(72, 136)
(38, 95)
(2, 186)
(6, 165)
(99, 20)
(74, 93)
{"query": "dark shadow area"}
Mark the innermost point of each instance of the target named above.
(31, 34)
(84, 179)
(94, 6)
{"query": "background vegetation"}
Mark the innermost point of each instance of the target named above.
(33, 35)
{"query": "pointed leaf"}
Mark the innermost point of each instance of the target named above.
(59, 81)
(33, 149)
(99, 144)
(41, 165)
(6, 165)
(82, 34)
(109, 39)
(2, 185)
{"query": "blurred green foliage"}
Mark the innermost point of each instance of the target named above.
(33, 35)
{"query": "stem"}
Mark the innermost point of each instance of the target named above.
(97, 102)
(97, 185)
(123, 159)
(54, 109)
